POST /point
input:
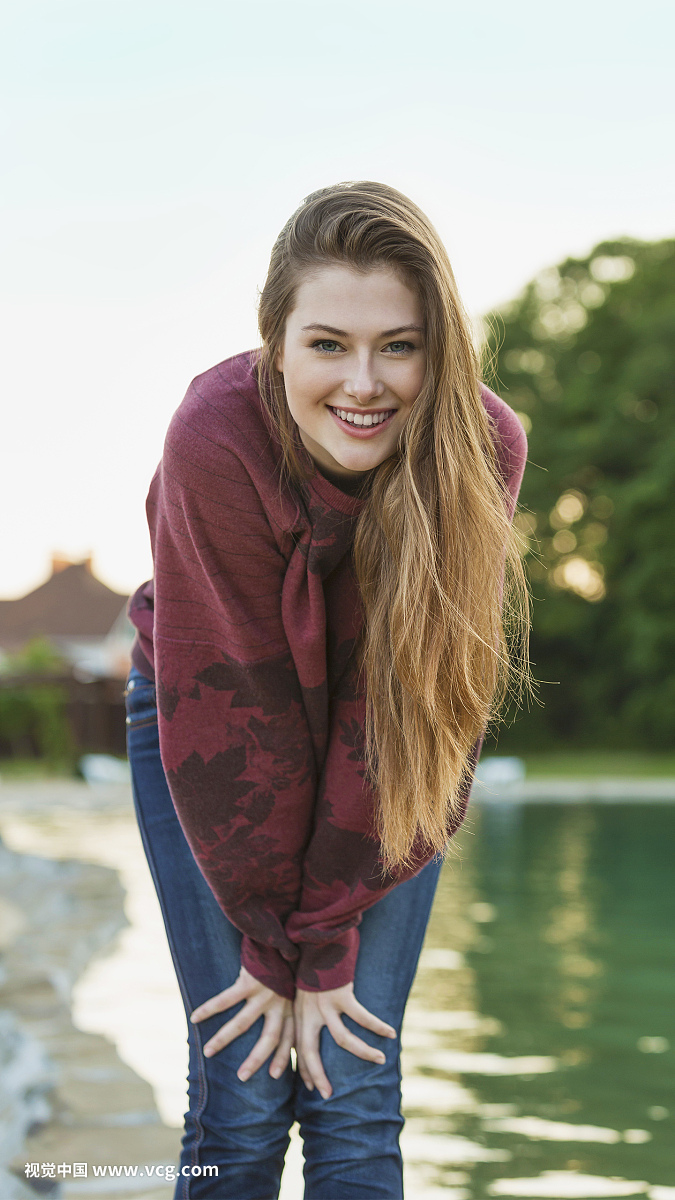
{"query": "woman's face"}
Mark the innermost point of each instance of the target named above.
(353, 361)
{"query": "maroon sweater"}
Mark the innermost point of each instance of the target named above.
(250, 627)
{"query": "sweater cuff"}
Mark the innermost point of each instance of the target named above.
(268, 966)
(330, 965)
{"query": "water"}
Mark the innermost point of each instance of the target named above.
(539, 1044)
(564, 916)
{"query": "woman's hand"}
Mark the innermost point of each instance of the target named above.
(312, 1011)
(277, 1031)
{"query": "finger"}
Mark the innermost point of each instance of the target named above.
(283, 1052)
(219, 1003)
(264, 1046)
(314, 1067)
(349, 1041)
(304, 1073)
(234, 1028)
(369, 1021)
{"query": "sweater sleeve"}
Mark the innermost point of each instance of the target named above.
(342, 867)
(234, 739)
(343, 874)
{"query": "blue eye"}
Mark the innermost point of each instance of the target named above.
(328, 346)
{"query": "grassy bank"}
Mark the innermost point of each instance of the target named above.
(16, 769)
(592, 764)
(562, 764)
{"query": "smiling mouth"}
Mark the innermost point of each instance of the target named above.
(363, 420)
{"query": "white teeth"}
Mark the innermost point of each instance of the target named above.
(362, 418)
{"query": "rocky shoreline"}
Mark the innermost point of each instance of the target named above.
(65, 1095)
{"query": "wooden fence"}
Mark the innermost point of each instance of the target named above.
(39, 711)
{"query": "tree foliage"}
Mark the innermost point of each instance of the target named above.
(33, 709)
(586, 356)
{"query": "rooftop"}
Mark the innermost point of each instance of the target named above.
(73, 603)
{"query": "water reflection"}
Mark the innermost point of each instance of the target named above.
(538, 1045)
(562, 922)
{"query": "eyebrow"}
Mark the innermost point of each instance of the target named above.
(343, 332)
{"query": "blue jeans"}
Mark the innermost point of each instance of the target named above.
(351, 1140)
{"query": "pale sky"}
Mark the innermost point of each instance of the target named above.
(153, 149)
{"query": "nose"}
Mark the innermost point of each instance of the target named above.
(363, 385)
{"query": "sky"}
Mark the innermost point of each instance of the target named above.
(152, 150)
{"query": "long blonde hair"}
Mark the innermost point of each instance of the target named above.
(445, 601)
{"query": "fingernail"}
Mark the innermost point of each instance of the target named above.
(310, 1087)
(194, 1015)
(380, 1058)
(243, 1075)
(207, 1052)
(275, 1072)
(324, 1093)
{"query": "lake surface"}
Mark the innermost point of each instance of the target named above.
(564, 916)
(539, 1044)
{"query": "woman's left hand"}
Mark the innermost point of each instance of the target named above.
(277, 1034)
(312, 1011)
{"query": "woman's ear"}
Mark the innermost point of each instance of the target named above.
(279, 361)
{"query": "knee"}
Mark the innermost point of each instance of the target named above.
(364, 1094)
(234, 1110)
(351, 1141)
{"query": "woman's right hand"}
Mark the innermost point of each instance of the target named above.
(277, 1034)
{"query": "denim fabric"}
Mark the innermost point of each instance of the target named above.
(351, 1140)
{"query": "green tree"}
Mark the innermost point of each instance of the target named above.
(33, 709)
(586, 356)
(36, 657)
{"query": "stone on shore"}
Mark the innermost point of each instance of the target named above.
(65, 1095)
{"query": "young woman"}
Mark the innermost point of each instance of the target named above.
(317, 659)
